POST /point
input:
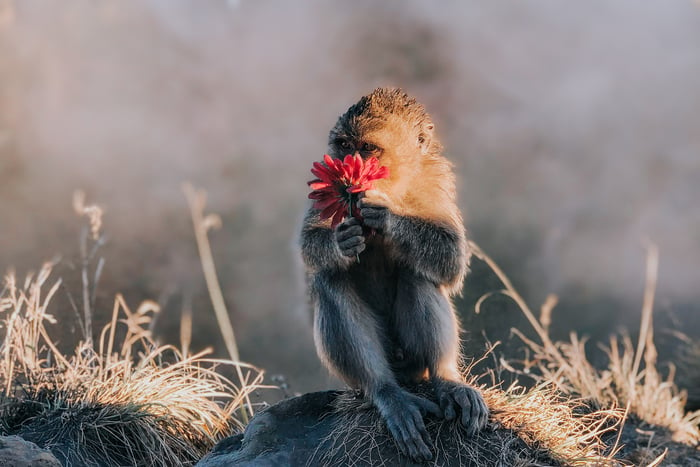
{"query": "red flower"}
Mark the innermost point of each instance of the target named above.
(340, 181)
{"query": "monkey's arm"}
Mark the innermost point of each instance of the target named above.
(323, 248)
(436, 252)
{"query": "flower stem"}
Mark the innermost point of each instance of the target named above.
(357, 255)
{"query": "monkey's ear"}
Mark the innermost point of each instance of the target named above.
(425, 137)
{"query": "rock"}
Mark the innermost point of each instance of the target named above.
(16, 452)
(339, 428)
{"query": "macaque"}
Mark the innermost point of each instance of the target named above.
(381, 283)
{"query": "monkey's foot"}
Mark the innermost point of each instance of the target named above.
(454, 396)
(403, 414)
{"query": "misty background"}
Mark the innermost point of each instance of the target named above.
(574, 128)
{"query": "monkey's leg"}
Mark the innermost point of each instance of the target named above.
(428, 335)
(350, 341)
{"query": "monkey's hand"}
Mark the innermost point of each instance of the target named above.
(375, 211)
(474, 413)
(348, 235)
(403, 413)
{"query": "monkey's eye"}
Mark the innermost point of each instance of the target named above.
(421, 139)
(369, 147)
(342, 143)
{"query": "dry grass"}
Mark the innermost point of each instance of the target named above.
(136, 403)
(564, 427)
(197, 201)
(530, 427)
(625, 382)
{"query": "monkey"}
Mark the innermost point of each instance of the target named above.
(381, 285)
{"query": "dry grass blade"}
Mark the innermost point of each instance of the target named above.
(658, 460)
(646, 331)
(186, 327)
(511, 292)
(93, 213)
(202, 224)
(197, 200)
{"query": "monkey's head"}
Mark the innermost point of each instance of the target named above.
(389, 125)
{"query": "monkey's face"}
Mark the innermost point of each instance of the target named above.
(397, 142)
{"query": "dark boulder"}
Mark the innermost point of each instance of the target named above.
(339, 428)
(16, 452)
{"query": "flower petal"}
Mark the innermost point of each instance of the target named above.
(322, 172)
(368, 167)
(318, 184)
(359, 188)
(381, 172)
(324, 193)
(359, 164)
(338, 218)
(348, 160)
(325, 202)
(338, 166)
(332, 211)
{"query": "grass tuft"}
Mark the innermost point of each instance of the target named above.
(127, 402)
(631, 378)
(565, 427)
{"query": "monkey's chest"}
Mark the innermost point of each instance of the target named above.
(375, 277)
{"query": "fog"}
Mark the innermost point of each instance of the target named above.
(574, 128)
